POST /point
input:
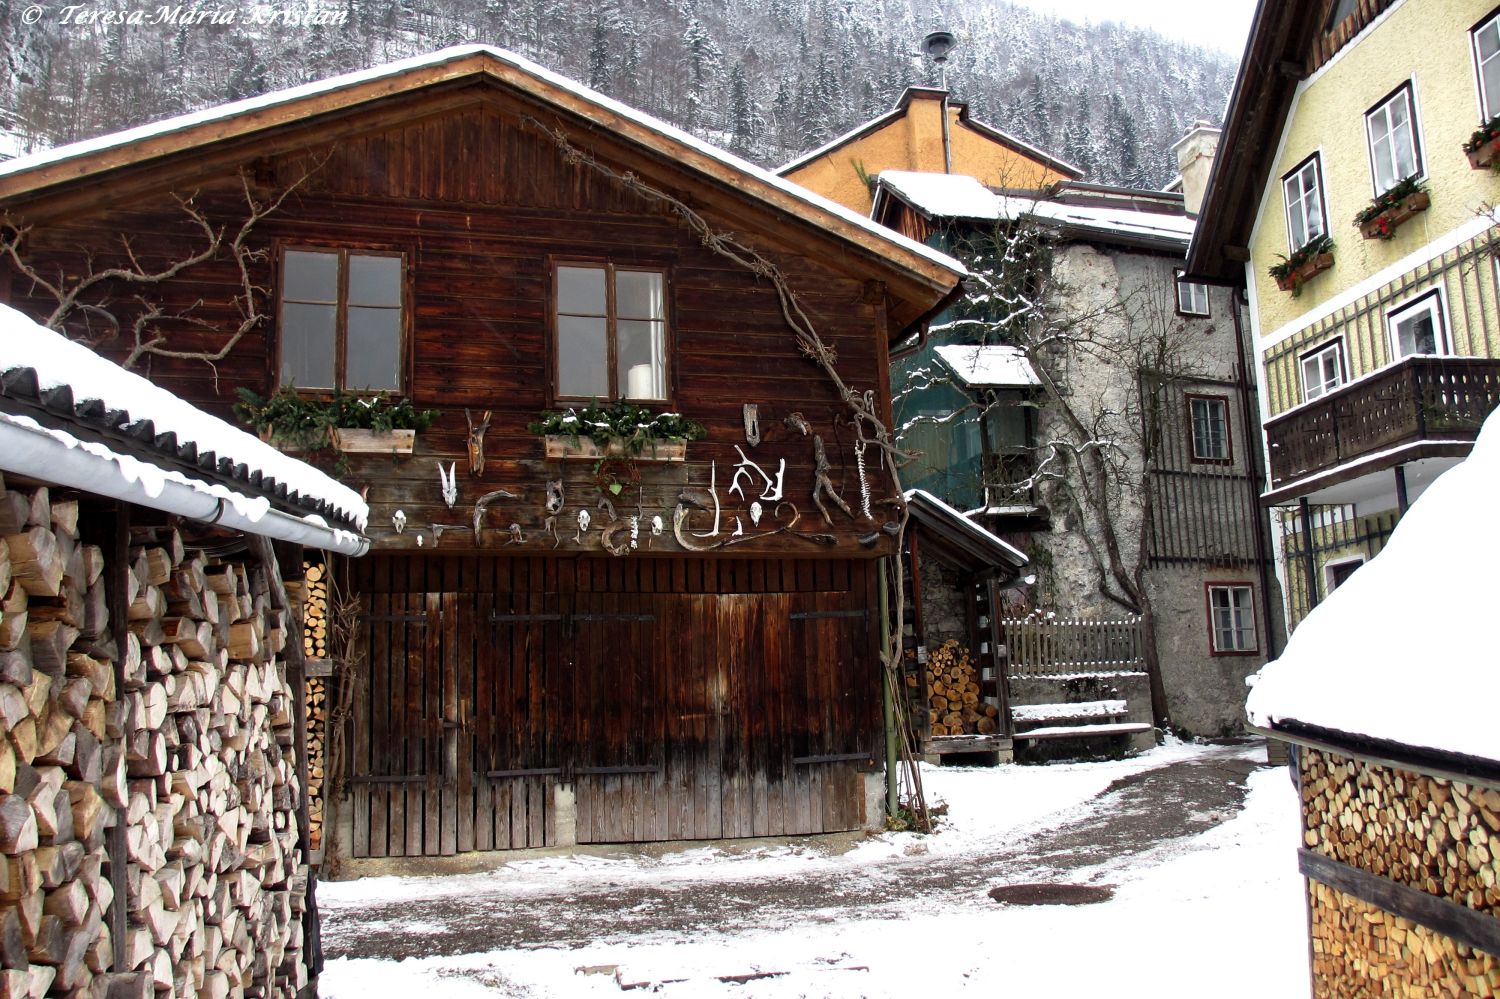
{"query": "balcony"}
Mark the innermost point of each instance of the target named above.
(1421, 407)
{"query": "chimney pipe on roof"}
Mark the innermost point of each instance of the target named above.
(937, 45)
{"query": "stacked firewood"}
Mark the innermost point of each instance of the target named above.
(315, 611)
(317, 717)
(1438, 836)
(311, 597)
(181, 734)
(954, 705)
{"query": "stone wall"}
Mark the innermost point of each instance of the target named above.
(1437, 836)
(148, 770)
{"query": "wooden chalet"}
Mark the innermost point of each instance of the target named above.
(678, 645)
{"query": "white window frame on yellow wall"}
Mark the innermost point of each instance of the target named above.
(1429, 303)
(1486, 36)
(1302, 188)
(1319, 377)
(1394, 140)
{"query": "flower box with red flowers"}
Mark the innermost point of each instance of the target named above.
(1483, 147)
(1309, 260)
(1384, 215)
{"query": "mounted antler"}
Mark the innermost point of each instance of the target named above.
(476, 442)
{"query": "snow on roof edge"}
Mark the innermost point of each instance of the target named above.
(167, 126)
(1428, 679)
(59, 361)
(985, 535)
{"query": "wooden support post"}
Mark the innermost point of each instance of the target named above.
(891, 687)
(1309, 564)
(1401, 501)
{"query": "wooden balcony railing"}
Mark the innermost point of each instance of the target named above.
(1419, 399)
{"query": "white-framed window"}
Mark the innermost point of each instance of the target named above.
(1208, 416)
(341, 323)
(609, 325)
(1337, 571)
(1231, 619)
(1417, 327)
(1485, 37)
(1395, 149)
(1192, 297)
(1322, 370)
(1303, 189)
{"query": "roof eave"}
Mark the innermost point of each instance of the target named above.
(1258, 107)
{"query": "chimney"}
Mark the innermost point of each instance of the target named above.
(1195, 161)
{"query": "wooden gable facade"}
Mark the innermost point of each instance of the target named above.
(693, 655)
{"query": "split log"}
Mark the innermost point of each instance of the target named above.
(35, 562)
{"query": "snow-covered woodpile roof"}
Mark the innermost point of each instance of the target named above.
(1404, 651)
(150, 436)
(963, 538)
(989, 366)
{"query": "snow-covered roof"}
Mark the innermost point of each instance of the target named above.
(346, 81)
(1428, 676)
(60, 363)
(922, 501)
(943, 195)
(956, 196)
(989, 366)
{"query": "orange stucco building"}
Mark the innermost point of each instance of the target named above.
(910, 137)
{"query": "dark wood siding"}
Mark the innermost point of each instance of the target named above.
(480, 205)
(680, 699)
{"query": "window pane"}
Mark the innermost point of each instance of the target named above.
(638, 295)
(374, 358)
(1487, 41)
(307, 338)
(580, 291)
(1416, 335)
(642, 373)
(374, 280)
(310, 277)
(582, 358)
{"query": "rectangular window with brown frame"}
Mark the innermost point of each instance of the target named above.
(610, 335)
(1208, 420)
(342, 319)
(1231, 619)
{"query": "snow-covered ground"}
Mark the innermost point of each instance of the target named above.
(1217, 914)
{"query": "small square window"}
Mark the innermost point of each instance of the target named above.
(610, 333)
(1231, 619)
(1417, 328)
(1395, 151)
(1322, 370)
(341, 319)
(1485, 37)
(1337, 573)
(1192, 298)
(1303, 189)
(1208, 416)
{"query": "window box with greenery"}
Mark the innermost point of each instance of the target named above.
(1309, 260)
(622, 430)
(1483, 147)
(348, 423)
(1381, 217)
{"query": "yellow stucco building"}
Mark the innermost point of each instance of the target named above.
(910, 137)
(1377, 343)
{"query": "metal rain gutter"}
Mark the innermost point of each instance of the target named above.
(33, 451)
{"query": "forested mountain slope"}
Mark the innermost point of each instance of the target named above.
(767, 78)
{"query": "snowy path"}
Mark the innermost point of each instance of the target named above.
(833, 923)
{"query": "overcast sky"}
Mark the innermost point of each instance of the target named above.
(1221, 24)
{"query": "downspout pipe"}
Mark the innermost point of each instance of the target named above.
(30, 450)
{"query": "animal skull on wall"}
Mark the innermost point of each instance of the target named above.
(476, 442)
